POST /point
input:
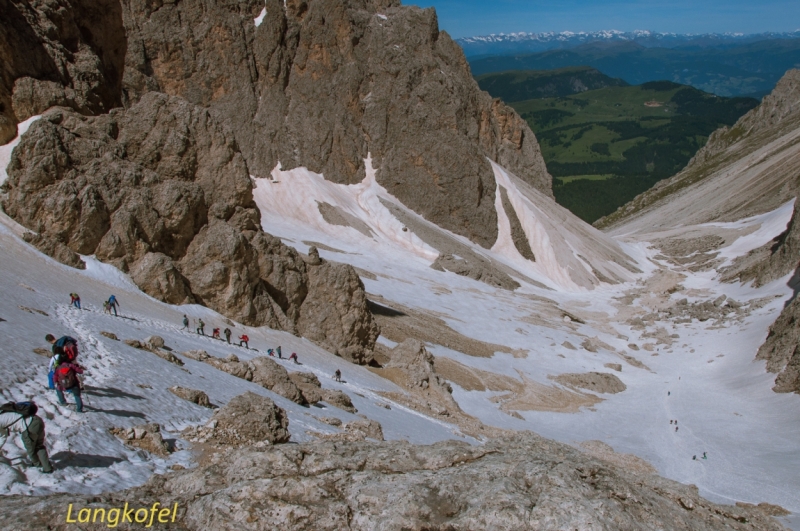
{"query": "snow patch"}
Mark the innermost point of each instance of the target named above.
(7, 149)
(260, 18)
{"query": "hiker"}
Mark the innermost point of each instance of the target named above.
(244, 339)
(271, 352)
(704, 456)
(227, 333)
(676, 428)
(51, 371)
(185, 323)
(65, 345)
(670, 421)
(215, 333)
(113, 303)
(667, 393)
(75, 300)
(293, 357)
(278, 350)
(21, 417)
(106, 307)
(694, 458)
(66, 379)
(200, 326)
(337, 375)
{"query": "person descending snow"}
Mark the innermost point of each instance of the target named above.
(676, 428)
(51, 371)
(106, 307)
(113, 304)
(215, 333)
(694, 458)
(337, 375)
(293, 357)
(185, 323)
(271, 352)
(200, 327)
(704, 456)
(227, 333)
(66, 379)
(65, 345)
(667, 393)
(244, 339)
(75, 300)
(21, 417)
(278, 350)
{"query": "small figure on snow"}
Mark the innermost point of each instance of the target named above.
(200, 327)
(75, 300)
(694, 458)
(215, 333)
(113, 303)
(667, 393)
(66, 379)
(243, 339)
(705, 456)
(278, 350)
(21, 417)
(227, 333)
(293, 357)
(337, 375)
(676, 428)
(271, 352)
(185, 323)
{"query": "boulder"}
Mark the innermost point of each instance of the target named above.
(192, 395)
(270, 375)
(146, 437)
(247, 419)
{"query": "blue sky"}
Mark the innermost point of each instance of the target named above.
(465, 18)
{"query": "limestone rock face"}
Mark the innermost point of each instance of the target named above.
(270, 375)
(521, 482)
(780, 350)
(248, 419)
(59, 52)
(324, 83)
(161, 191)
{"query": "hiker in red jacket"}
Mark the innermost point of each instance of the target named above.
(244, 339)
(293, 357)
(66, 378)
(215, 333)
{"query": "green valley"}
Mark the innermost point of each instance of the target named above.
(605, 146)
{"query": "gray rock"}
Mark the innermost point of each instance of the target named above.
(247, 419)
(270, 375)
(192, 395)
(520, 482)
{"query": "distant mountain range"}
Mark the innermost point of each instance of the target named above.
(515, 43)
(736, 68)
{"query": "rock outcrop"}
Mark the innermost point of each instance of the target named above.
(192, 395)
(145, 437)
(780, 350)
(324, 83)
(161, 191)
(59, 52)
(520, 482)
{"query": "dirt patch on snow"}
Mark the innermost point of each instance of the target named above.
(599, 382)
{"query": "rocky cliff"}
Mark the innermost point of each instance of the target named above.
(322, 83)
(161, 191)
(519, 482)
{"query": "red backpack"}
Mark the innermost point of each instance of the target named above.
(65, 377)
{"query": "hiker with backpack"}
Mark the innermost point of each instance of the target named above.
(185, 323)
(113, 303)
(337, 375)
(200, 327)
(66, 379)
(21, 417)
(293, 357)
(75, 300)
(215, 333)
(278, 351)
(227, 333)
(244, 339)
(51, 371)
(65, 345)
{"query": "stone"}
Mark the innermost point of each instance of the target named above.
(197, 355)
(365, 428)
(270, 375)
(248, 419)
(599, 382)
(109, 335)
(192, 395)
(146, 437)
(155, 341)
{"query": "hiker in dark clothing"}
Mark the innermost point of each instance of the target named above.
(31, 428)
(185, 323)
(200, 326)
(244, 339)
(293, 357)
(676, 428)
(66, 379)
(704, 456)
(278, 350)
(337, 375)
(227, 333)
(65, 345)
(113, 303)
(75, 300)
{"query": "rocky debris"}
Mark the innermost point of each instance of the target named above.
(475, 269)
(42, 351)
(176, 212)
(260, 370)
(158, 351)
(767, 508)
(412, 357)
(197, 355)
(389, 83)
(333, 421)
(248, 419)
(144, 436)
(64, 52)
(365, 428)
(780, 350)
(613, 366)
(518, 235)
(109, 335)
(519, 481)
(629, 462)
(269, 375)
(192, 395)
(599, 382)
(567, 344)
(33, 310)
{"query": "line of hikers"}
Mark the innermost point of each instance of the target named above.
(243, 339)
(22, 417)
(108, 306)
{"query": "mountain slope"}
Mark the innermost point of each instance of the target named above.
(525, 85)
